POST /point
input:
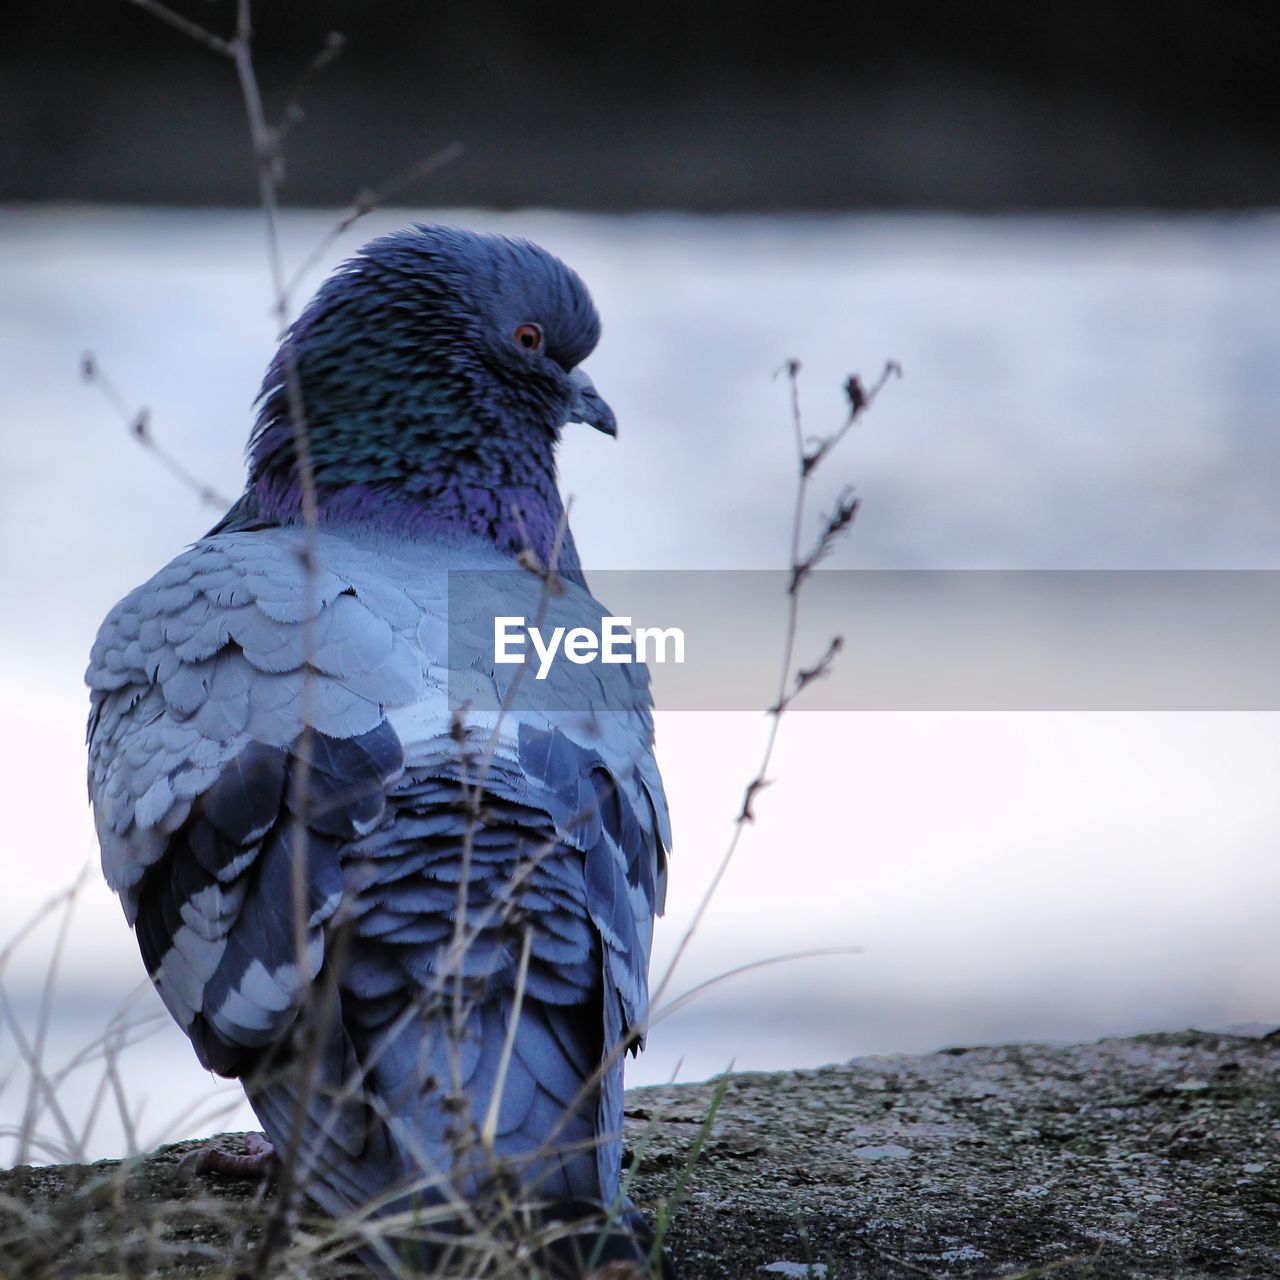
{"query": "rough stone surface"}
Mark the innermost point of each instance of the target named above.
(1152, 1156)
(1156, 1155)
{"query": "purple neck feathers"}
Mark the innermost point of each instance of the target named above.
(512, 518)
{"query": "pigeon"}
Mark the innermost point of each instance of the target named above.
(401, 891)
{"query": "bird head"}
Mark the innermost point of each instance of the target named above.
(435, 356)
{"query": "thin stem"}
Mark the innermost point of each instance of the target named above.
(138, 424)
(367, 201)
(807, 463)
(490, 1128)
(39, 1081)
(188, 28)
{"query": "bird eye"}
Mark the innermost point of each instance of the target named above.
(529, 336)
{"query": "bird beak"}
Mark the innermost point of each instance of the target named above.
(589, 407)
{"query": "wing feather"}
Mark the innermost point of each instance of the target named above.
(205, 684)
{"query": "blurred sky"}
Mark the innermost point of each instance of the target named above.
(1079, 392)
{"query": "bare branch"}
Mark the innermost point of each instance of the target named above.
(806, 676)
(193, 30)
(837, 523)
(334, 43)
(368, 200)
(859, 399)
(753, 789)
(138, 423)
(801, 567)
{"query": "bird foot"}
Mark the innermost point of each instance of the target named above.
(258, 1159)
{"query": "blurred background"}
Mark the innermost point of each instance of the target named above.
(1060, 218)
(992, 104)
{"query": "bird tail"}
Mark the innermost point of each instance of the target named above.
(421, 1144)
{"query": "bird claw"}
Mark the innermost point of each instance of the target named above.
(259, 1159)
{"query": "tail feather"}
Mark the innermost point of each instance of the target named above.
(377, 1126)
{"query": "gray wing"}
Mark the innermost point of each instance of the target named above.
(201, 681)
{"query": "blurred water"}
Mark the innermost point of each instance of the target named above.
(1085, 392)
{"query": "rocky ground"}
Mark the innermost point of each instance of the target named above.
(1152, 1156)
(1156, 1155)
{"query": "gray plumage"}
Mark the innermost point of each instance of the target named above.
(203, 681)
